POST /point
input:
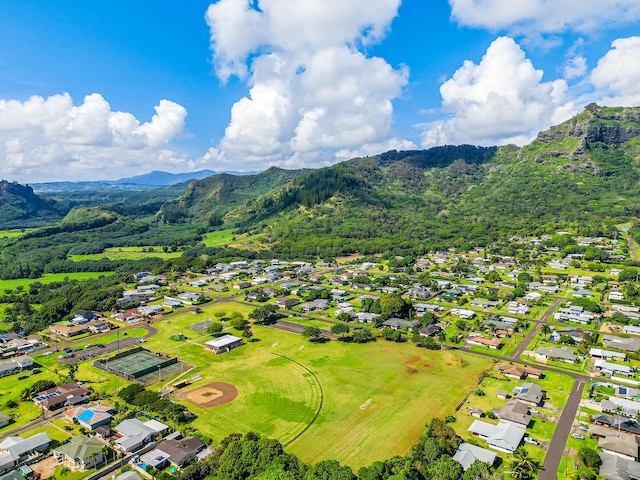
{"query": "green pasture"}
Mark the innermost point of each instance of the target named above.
(376, 398)
(221, 238)
(50, 278)
(14, 233)
(128, 253)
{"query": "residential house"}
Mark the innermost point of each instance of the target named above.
(463, 313)
(134, 434)
(615, 295)
(617, 423)
(15, 365)
(90, 417)
(4, 419)
(67, 329)
(622, 445)
(430, 330)
(287, 302)
(517, 308)
(62, 395)
(400, 324)
(129, 316)
(181, 452)
(80, 453)
(318, 304)
(557, 354)
(622, 406)
(14, 450)
(614, 467)
(479, 303)
(626, 344)
(529, 393)
(610, 368)
(492, 343)
(365, 317)
(504, 437)
(150, 310)
(574, 313)
(515, 412)
(518, 372)
(467, 454)
(607, 354)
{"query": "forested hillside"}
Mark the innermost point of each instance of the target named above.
(20, 207)
(582, 174)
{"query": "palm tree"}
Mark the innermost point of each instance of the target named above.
(545, 329)
(442, 336)
(522, 465)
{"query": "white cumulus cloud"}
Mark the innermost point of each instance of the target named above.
(53, 139)
(617, 75)
(312, 89)
(503, 99)
(545, 16)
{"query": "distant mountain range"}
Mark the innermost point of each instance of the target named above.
(146, 181)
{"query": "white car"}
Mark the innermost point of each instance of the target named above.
(532, 441)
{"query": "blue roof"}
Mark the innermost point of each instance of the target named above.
(86, 416)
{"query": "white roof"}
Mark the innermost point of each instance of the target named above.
(468, 453)
(599, 352)
(156, 426)
(503, 436)
(223, 341)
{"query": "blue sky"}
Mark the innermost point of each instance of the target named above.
(104, 90)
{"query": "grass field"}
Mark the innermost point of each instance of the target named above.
(128, 253)
(49, 278)
(14, 233)
(376, 398)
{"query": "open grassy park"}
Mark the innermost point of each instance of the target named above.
(367, 402)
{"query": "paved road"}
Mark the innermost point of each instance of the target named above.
(122, 342)
(563, 429)
(527, 340)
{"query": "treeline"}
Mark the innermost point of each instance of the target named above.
(44, 304)
(153, 402)
(252, 457)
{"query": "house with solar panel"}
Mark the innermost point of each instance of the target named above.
(62, 395)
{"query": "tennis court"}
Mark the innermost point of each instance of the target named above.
(138, 363)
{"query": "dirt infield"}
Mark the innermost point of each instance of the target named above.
(212, 394)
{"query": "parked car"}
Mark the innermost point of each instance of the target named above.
(578, 436)
(532, 441)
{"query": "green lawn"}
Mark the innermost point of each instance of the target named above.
(49, 278)
(376, 398)
(221, 238)
(128, 253)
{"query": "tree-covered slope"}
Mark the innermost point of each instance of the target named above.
(207, 200)
(20, 207)
(581, 174)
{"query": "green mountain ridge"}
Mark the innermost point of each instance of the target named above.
(20, 207)
(582, 175)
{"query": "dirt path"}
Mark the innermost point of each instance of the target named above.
(633, 248)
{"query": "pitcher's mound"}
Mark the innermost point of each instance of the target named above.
(212, 394)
